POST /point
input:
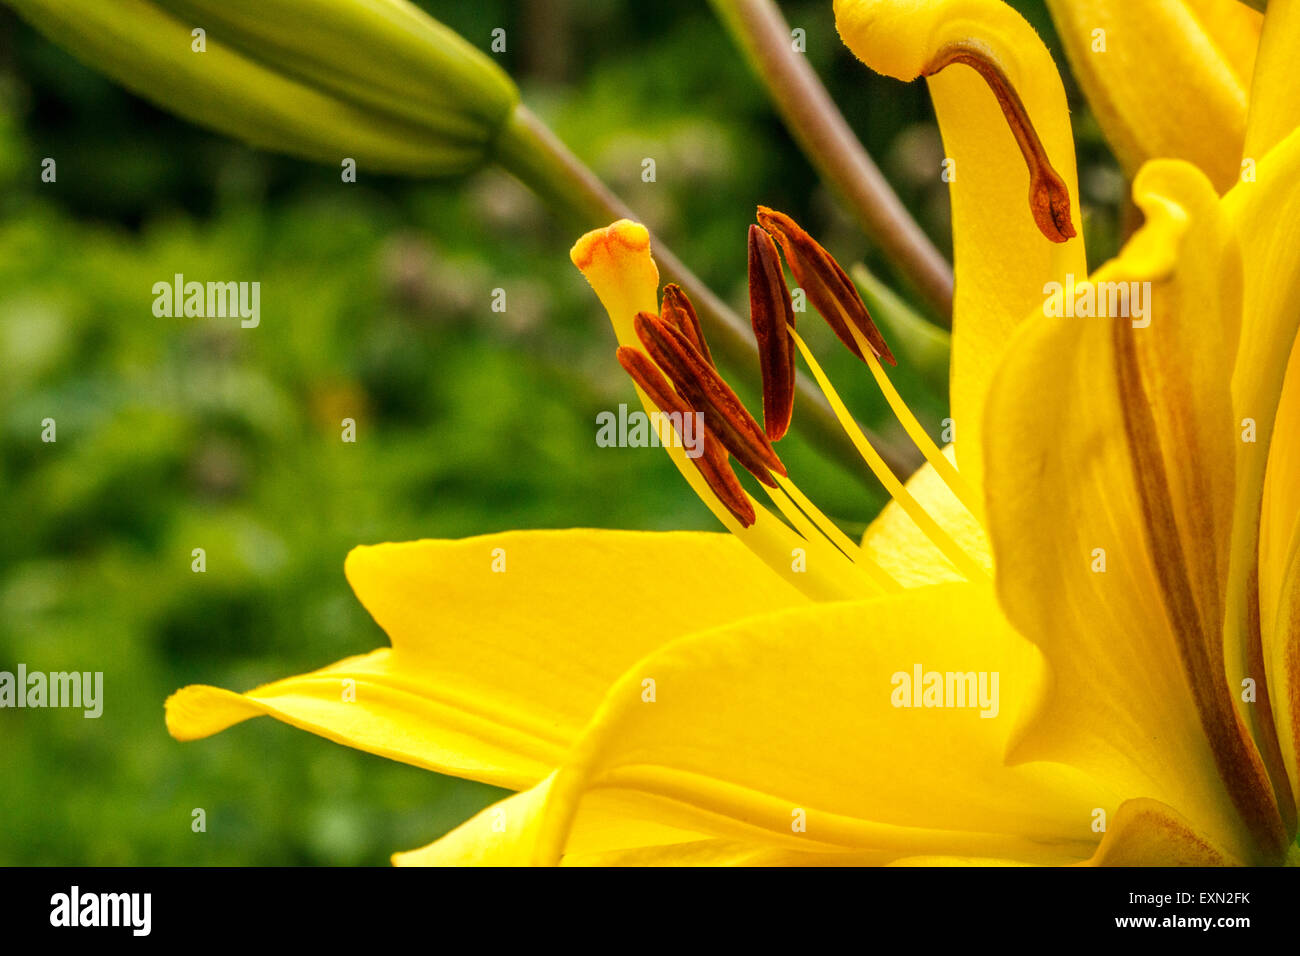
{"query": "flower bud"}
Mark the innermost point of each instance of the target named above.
(379, 82)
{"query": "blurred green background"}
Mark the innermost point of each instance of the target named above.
(180, 433)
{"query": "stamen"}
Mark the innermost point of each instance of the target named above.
(770, 312)
(831, 291)
(842, 541)
(678, 312)
(820, 548)
(937, 459)
(1049, 199)
(704, 389)
(712, 464)
(931, 528)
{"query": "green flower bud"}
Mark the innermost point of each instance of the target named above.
(377, 81)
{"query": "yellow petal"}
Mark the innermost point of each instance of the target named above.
(1279, 576)
(979, 861)
(722, 853)
(1149, 833)
(1280, 512)
(1275, 92)
(1281, 650)
(1189, 251)
(494, 672)
(783, 731)
(1077, 569)
(495, 836)
(1001, 258)
(385, 704)
(895, 542)
(507, 833)
(1266, 214)
(1165, 78)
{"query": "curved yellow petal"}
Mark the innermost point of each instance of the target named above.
(384, 704)
(1279, 575)
(1109, 495)
(500, 835)
(1165, 78)
(814, 752)
(1001, 257)
(1275, 91)
(1281, 649)
(613, 825)
(1266, 214)
(1147, 832)
(1280, 511)
(503, 645)
(895, 542)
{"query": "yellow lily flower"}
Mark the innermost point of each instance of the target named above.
(1106, 564)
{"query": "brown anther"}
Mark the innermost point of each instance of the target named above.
(828, 287)
(704, 390)
(712, 464)
(715, 466)
(678, 312)
(1049, 199)
(770, 312)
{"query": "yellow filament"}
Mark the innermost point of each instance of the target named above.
(812, 524)
(838, 537)
(929, 527)
(769, 538)
(937, 459)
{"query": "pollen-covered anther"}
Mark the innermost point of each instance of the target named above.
(830, 290)
(712, 463)
(703, 388)
(772, 315)
(678, 312)
(1049, 198)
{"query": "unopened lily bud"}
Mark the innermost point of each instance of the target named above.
(379, 81)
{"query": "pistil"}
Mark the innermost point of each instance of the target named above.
(1049, 199)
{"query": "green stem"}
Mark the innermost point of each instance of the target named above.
(812, 117)
(531, 152)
